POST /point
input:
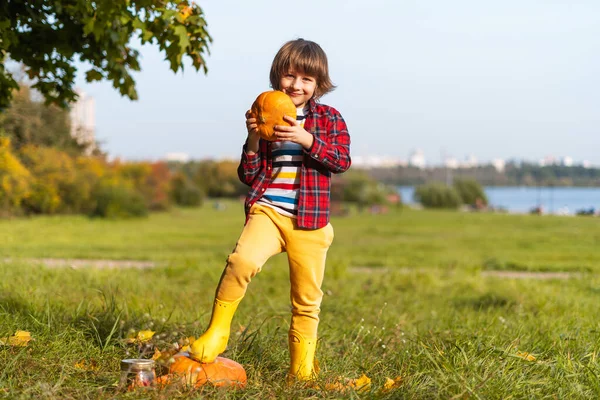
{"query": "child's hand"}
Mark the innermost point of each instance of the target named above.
(294, 133)
(251, 124)
(253, 137)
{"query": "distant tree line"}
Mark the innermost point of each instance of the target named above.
(514, 174)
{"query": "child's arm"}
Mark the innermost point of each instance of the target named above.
(333, 151)
(250, 162)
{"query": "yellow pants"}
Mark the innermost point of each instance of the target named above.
(265, 234)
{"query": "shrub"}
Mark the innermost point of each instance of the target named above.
(55, 175)
(218, 178)
(470, 192)
(89, 172)
(117, 200)
(43, 199)
(360, 188)
(185, 192)
(151, 180)
(15, 179)
(437, 195)
(160, 182)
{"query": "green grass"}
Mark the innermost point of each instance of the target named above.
(405, 238)
(430, 316)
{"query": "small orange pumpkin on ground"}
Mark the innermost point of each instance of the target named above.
(269, 109)
(222, 372)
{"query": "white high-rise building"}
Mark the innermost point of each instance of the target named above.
(567, 161)
(499, 164)
(451, 162)
(83, 120)
(417, 159)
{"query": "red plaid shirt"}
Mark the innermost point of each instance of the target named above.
(330, 153)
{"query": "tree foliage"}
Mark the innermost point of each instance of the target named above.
(470, 192)
(357, 187)
(514, 174)
(48, 36)
(437, 195)
(29, 122)
(15, 179)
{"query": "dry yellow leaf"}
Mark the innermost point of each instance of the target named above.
(156, 354)
(87, 365)
(392, 383)
(20, 338)
(140, 337)
(525, 355)
(361, 384)
(144, 336)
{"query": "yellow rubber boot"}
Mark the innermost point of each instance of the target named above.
(214, 341)
(303, 365)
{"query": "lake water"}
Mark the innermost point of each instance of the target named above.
(555, 200)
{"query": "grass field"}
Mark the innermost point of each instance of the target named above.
(406, 297)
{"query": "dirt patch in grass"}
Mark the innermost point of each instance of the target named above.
(507, 274)
(531, 275)
(138, 264)
(76, 263)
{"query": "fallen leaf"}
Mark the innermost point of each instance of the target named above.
(392, 383)
(140, 337)
(525, 355)
(144, 336)
(185, 343)
(361, 384)
(87, 365)
(156, 354)
(20, 338)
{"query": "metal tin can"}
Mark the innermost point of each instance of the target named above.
(137, 372)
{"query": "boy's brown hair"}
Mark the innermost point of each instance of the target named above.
(306, 57)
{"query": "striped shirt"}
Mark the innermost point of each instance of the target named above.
(329, 154)
(282, 192)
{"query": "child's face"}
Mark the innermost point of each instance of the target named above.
(298, 86)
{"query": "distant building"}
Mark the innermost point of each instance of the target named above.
(548, 160)
(499, 164)
(83, 121)
(451, 162)
(470, 161)
(417, 159)
(377, 161)
(567, 161)
(177, 157)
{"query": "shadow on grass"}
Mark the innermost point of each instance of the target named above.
(15, 306)
(485, 302)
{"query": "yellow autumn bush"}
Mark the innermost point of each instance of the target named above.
(15, 179)
(55, 179)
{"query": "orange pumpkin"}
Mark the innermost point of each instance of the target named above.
(221, 372)
(269, 109)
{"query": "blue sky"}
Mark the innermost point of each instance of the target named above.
(511, 79)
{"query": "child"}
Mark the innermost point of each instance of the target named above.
(287, 207)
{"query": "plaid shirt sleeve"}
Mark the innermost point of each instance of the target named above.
(249, 167)
(333, 150)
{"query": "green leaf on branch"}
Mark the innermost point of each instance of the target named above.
(89, 26)
(93, 75)
(99, 33)
(184, 41)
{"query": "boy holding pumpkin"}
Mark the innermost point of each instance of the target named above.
(288, 205)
